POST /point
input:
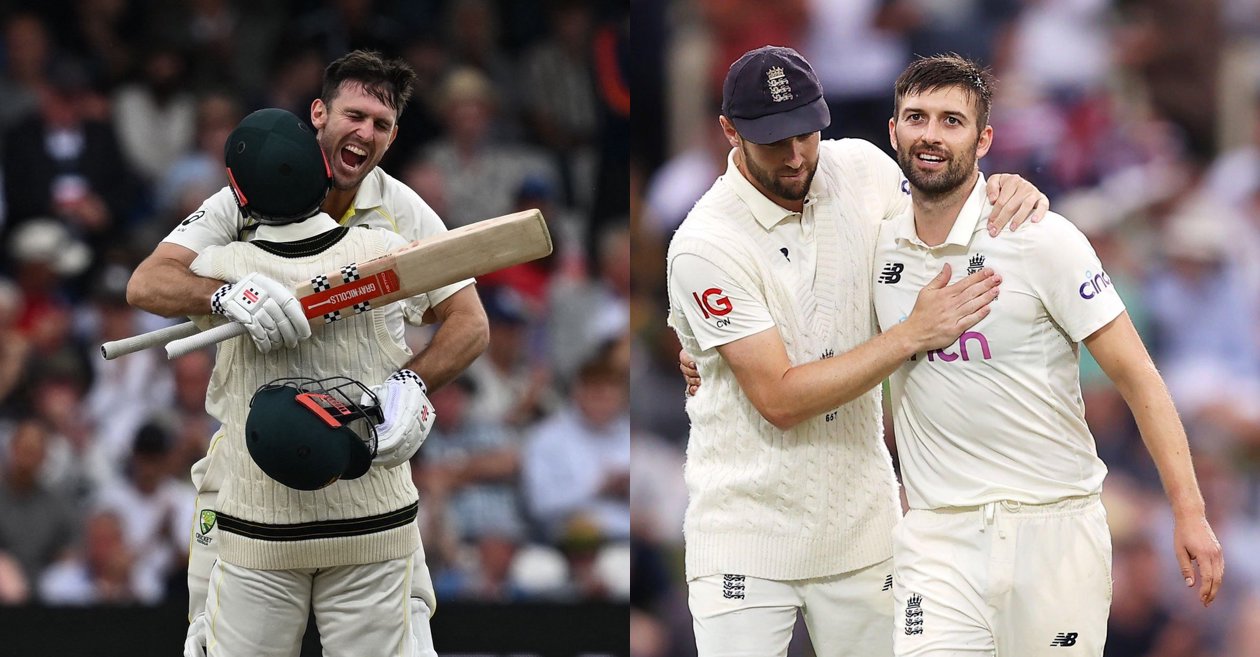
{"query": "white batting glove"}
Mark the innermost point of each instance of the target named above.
(408, 417)
(267, 309)
(195, 643)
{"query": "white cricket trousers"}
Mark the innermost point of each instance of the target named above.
(1003, 579)
(848, 615)
(359, 610)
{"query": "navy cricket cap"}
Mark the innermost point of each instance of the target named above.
(771, 93)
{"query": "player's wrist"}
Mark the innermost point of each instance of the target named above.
(217, 297)
(906, 340)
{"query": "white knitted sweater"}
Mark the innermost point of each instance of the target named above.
(358, 521)
(821, 498)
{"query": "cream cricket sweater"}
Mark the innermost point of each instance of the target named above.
(265, 524)
(821, 498)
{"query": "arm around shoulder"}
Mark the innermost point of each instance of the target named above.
(786, 395)
(165, 285)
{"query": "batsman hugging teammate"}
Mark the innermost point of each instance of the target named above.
(355, 119)
(290, 541)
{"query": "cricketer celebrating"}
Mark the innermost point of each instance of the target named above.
(342, 549)
(356, 121)
(792, 492)
(1005, 548)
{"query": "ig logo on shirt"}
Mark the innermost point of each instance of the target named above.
(714, 304)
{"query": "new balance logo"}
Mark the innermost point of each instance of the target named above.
(976, 264)
(892, 273)
(887, 583)
(733, 587)
(1064, 640)
(914, 615)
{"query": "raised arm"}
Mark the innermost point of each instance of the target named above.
(1121, 354)
(164, 284)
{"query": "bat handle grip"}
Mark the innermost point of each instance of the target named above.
(115, 348)
(206, 338)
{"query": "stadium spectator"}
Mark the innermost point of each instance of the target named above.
(576, 466)
(155, 506)
(481, 171)
(37, 523)
(467, 473)
(102, 571)
(155, 116)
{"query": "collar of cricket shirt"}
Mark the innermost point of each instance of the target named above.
(973, 217)
(766, 212)
(316, 225)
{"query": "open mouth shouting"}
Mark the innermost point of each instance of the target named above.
(352, 158)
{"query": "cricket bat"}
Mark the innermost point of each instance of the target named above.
(419, 267)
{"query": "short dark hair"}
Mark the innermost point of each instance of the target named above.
(948, 70)
(389, 80)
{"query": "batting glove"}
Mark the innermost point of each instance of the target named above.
(195, 642)
(267, 310)
(408, 417)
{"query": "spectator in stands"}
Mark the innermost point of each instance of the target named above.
(559, 98)
(198, 172)
(155, 116)
(37, 523)
(26, 55)
(512, 387)
(468, 478)
(587, 313)
(102, 571)
(61, 163)
(576, 465)
(482, 172)
(156, 507)
(125, 392)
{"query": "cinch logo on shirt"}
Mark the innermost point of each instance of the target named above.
(963, 339)
(1094, 284)
(713, 303)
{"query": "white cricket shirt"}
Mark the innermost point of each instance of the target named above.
(997, 415)
(381, 202)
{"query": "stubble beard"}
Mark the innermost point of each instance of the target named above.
(772, 183)
(936, 185)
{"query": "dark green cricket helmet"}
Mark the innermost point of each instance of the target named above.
(307, 433)
(275, 166)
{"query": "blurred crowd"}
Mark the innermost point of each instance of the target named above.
(1139, 118)
(112, 125)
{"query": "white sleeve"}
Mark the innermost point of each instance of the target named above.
(206, 264)
(416, 221)
(1066, 273)
(718, 310)
(891, 189)
(218, 221)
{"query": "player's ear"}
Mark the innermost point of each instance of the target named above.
(392, 136)
(728, 129)
(319, 113)
(892, 132)
(984, 142)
